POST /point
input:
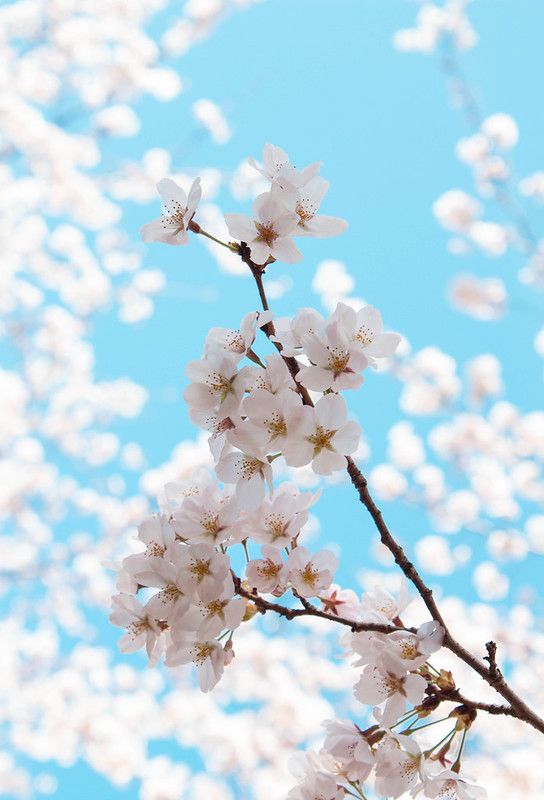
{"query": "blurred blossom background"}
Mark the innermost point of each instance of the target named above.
(427, 119)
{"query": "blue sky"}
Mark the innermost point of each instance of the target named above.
(322, 80)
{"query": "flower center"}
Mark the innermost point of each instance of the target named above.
(305, 210)
(276, 525)
(268, 569)
(250, 466)
(201, 652)
(210, 524)
(321, 439)
(175, 215)
(200, 569)
(276, 425)
(219, 384)
(338, 361)
(364, 335)
(267, 233)
(215, 607)
(155, 549)
(309, 575)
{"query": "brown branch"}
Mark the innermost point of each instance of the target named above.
(309, 610)
(491, 674)
(455, 696)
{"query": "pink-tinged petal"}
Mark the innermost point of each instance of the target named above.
(346, 380)
(383, 345)
(370, 318)
(260, 252)
(285, 224)
(195, 194)
(240, 227)
(199, 397)
(267, 207)
(234, 613)
(394, 709)
(274, 158)
(315, 350)
(309, 172)
(228, 469)
(249, 494)
(159, 230)
(315, 378)
(314, 191)
(322, 227)
(346, 440)
(171, 192)
(286, 250)
(371, 687)
(327, 461)
(414, 686)
(297, 453)
(331, 412)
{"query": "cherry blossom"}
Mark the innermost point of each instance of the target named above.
(217, 385)
(334, 362)
(323, 436)
(268, 574)
(207, 517)
(306, 204)
(279, 519)
(207, 656)
(386, 682)
(268, 233)
(179, 209)
(311, 574)
(142, 629)
(450, 785)
(278, 169)
(249, 470)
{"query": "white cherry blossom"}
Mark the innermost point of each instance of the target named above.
(364, 329)
(142, 628)
(388, 683)
(334, 362)
(207, 517)
(306, 204)
(268, 574)
(449, 785)
(217, 385)
(269, 233)
(278, 169)
(207, 656)
(310, 573)
(201, 569)
(237, 342)
(249, 469)
(179, 210)
(323, 437)
(348, 747)
(279, 518)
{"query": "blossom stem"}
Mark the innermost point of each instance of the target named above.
(232, 247)
(448, 736)
(358, 789)
(410, 729)
(456, 766)
(244, 545)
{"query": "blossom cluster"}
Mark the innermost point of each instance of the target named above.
(396, 672)
(287, 407)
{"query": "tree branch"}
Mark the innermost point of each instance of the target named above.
(491, 674)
